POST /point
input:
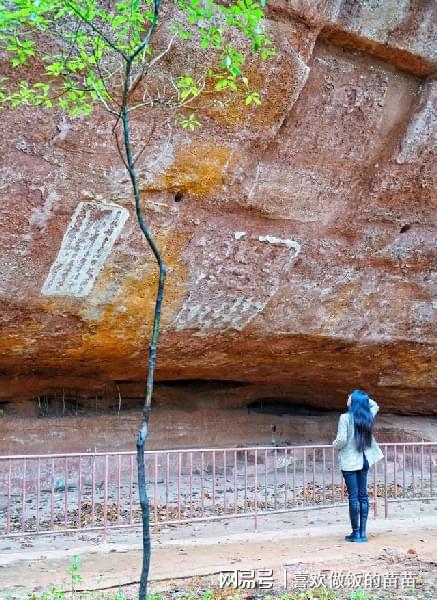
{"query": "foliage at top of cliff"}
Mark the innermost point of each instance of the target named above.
(70, 54)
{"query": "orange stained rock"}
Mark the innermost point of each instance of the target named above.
(197, 169)
(18, 338)
(228, 108)
(125, 324)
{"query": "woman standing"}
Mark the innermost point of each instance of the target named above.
(358, 451)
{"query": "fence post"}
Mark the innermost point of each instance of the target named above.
(23, 498)
(375, 492)
(256, 489)
(8, 518)
(105, 497)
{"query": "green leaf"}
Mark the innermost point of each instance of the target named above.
(221, 84)
(191, 122)
(253, 98)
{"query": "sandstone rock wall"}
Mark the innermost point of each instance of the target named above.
(302, 256)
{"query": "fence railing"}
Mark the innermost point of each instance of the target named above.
(72, 492)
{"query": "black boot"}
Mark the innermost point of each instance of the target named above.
(354, 514)
(364, 511)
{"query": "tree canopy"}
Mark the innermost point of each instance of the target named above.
(80, 47)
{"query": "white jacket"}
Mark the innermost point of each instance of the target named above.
(349, 458)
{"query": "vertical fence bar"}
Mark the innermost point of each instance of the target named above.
(105, 498)
(333, 474)
(52, 494)
(375, 492)
(314, 476)
(245, 481)
(323, 475)
(66, 492)
(8, 517)
(38, 490)
(191, 485)
(266, 487)
(118, 492)
(167, 484)
(256, 488)
(235, 483)
(155, 488)
(275, 481)
(304, 475)
(286, 476)
(421, 470)
(385, 484)
(179, 484)
(93, 490)
(404, 468)
(23, 498)
(395, 467)
(213, 480)
(294, 476)
(413, 479)
(79, 496)
(131, 485)
(224, 482)
(430, 472)
(202, 490)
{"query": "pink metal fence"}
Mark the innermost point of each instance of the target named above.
(72, 492)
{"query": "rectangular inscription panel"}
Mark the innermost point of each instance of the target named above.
(86, 245)
(233, 278)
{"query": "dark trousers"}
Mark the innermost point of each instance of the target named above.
(356, 483)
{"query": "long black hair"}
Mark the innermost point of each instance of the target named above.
(362, 419)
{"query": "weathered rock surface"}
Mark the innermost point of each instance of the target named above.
(176, 427)
(302, 257)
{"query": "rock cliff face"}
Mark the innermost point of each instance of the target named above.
(302, 255)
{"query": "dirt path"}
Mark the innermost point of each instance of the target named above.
(397, 544)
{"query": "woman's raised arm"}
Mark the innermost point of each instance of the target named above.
(373, 407)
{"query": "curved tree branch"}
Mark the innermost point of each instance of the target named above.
(150, 31)
(96, 30)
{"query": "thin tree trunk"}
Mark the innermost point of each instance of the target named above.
(143, 431)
